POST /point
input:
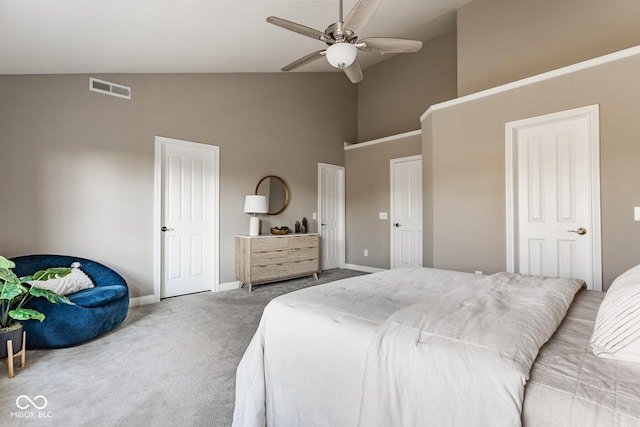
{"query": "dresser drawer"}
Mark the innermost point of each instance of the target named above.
(302, 254)
(268, 258)
(263, 273)
(303, 242)
(269, 244)
(302, 267)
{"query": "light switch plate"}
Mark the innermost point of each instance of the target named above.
(382, 215)
(636, 214)
(314, 215)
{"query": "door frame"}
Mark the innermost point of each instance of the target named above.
(392, 164)
(591, 113)
(160, 143)
(341, 211)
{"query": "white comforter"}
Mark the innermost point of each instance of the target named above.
(404, 347)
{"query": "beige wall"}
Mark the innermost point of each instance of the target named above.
(500, 41)
(367, 176)
(78, 167)
(467, 165)
(396, 92)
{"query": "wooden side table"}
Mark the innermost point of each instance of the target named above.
(10, 354)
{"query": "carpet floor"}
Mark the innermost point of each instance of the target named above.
(169, 364)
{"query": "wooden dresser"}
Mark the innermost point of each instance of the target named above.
(267, 258)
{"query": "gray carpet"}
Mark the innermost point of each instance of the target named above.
(171, 363)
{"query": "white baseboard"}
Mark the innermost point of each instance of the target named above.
(147, 299)
(229, 285)
(152, 299)
(364, 268)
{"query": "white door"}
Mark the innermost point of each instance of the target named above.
(188, 217)
(556, 232)
(331, 215)
(406, 212)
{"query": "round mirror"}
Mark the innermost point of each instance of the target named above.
(276, 191)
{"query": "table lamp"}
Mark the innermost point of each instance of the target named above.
(255, 204)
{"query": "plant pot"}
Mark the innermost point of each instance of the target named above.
(13, 333)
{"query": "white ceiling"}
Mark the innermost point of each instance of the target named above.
(190, 36)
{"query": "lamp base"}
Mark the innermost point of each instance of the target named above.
(254, 226)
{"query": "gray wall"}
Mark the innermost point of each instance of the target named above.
(78, 167)
(391, 99)
(396, 92)
(368, 177)
(500, 41)
(467, 167)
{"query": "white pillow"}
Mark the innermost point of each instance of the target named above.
(75, 281)
(616, 334)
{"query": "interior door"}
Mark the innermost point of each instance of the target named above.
(189, 176)
(556, 231)
(406, 212)
(331, 215)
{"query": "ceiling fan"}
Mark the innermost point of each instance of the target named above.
(342, 40)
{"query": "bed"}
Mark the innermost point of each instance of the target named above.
(422, 346)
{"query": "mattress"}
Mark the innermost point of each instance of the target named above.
(570, 386)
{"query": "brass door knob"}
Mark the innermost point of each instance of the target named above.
(581, 231)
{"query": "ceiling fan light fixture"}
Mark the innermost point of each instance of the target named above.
(341, 55)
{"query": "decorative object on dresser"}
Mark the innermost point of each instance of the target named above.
(265, 259)
(280, 231)
(255, 204)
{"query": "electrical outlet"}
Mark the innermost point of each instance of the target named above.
(366, 252)
(479, 272)
(636, 214)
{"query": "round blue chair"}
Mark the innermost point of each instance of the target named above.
(96, 311)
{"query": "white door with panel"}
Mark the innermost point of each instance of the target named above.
(556, 196)
(331, 215)
(406, 212)
(189, 180)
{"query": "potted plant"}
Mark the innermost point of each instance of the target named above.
(15, 292)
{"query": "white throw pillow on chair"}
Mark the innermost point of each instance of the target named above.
(73, 282)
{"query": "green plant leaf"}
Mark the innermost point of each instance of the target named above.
(12, 290)
(8, 275)
(26, 314)
(51, 296)
(51, 273)
(5, 263)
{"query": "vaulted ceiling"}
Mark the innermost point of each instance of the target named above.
(190, 36)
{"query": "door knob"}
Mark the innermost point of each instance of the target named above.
(165, 228)
(397, 224)
(581, 231)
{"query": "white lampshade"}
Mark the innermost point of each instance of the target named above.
(341, 55)
(255, 204)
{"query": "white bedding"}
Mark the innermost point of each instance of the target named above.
(307, 363)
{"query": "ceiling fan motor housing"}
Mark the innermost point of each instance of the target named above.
(340, 34)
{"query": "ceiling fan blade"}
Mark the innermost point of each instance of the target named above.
(304, 60)
(354, 72)
(300, 29)
(360, 15)
(391, 45)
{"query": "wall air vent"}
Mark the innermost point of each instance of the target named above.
(109, 88)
